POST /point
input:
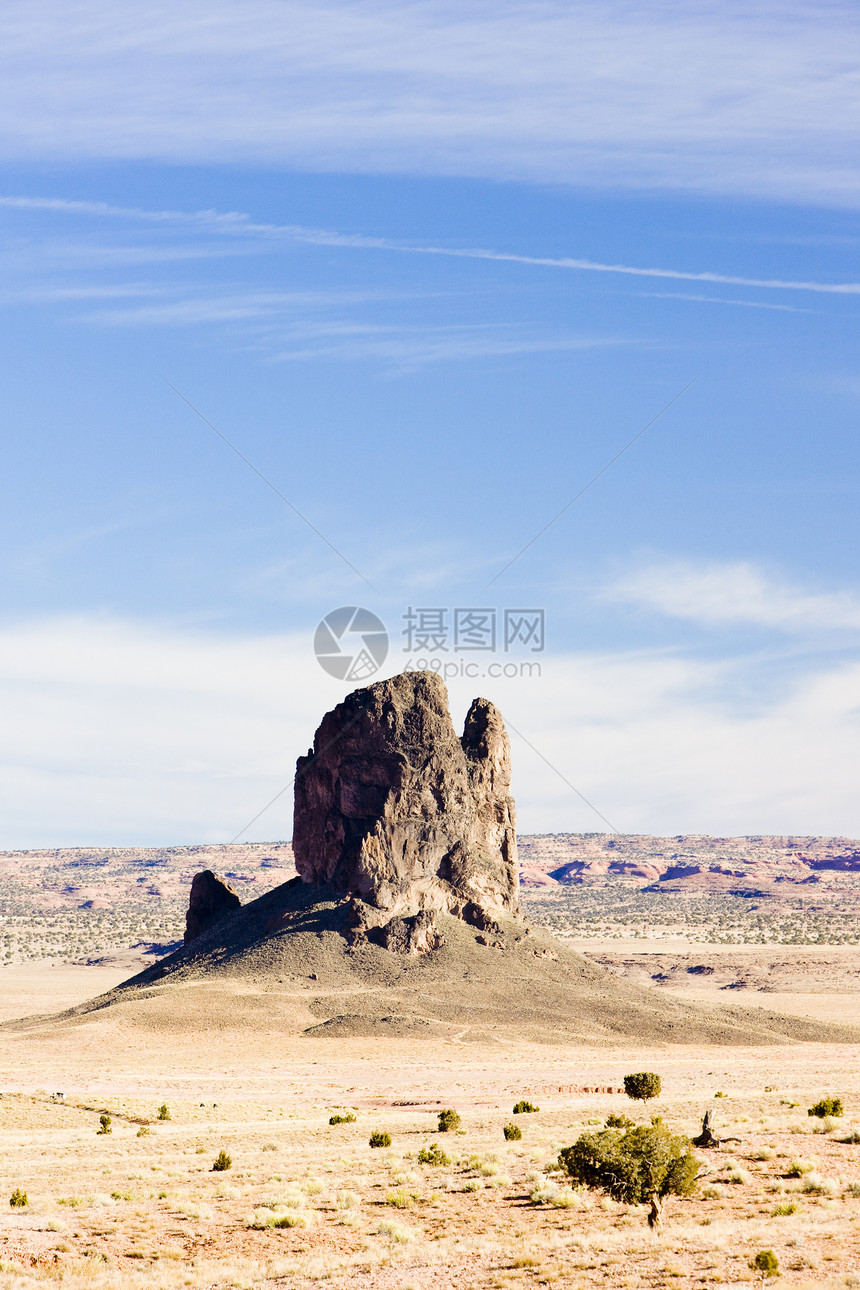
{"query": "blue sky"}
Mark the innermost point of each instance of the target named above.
(429, 271)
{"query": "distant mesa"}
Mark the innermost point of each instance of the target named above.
(210, 900)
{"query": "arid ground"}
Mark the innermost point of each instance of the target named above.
(306, 1203)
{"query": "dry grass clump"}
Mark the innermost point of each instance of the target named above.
(798, 1167)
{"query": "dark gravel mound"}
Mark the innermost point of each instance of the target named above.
(289, 958)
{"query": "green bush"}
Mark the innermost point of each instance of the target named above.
(433, 1155)
(164, 1111)
(512, 1132)
(642, 1086)
(827, 1106)
(349, 1118)
(222, 1162)
(143, 1131)
(525, 1108)
(641, 1165)
(766, 1264)
(18, 1199)
(380, 1139)
(105, 1125)
(448, 1121)
(619, 1122)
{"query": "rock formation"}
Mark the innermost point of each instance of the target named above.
(394, 808)
(210, 899)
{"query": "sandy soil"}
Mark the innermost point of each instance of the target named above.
(123, 1210)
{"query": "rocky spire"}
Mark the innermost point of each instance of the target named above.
(394, 808)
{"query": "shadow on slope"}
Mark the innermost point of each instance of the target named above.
(288, 960)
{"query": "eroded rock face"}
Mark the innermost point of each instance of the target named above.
(210, 899)
(393, 807)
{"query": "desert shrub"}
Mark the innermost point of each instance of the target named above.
(18, 1199)
(512, 1132)
(105, 1125)
(525, 1108)
(349, 1118)
(853, 1189)
(449, 1121)
(619, 1122)
(289, 1220)
(143, 1131)
(222, 1161)
(853, 1135)
(164, 1111)
(827, 1106)
(433, 1155)
(380, 1139)
(712, 1193)
(641, 1165)
(799, 1167)
(786, 1209)
(763, 1153)
(347, 1200)
(766, 1264)
(642, 1086)
(738, 1175)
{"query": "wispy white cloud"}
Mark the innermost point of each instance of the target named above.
(238, 225)
(719, 98)
(724, 300)
(119, 731)
(735, 593)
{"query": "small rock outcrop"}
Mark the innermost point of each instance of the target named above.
(210, 899)
(394, 808)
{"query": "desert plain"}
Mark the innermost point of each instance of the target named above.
(254, 1072)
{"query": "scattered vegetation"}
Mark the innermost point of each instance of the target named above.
(164, 1111)
(525, 1108)
(222, 1162)
(380, 1139)
(143, 1131)
(826, 1107)
(616, 1121)
(512, 1132)
(612, 909)
(642, 1086)
(449, 1121)
(105, 1124)
(18, 1199)
(349, 1118)
(642, 1165)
